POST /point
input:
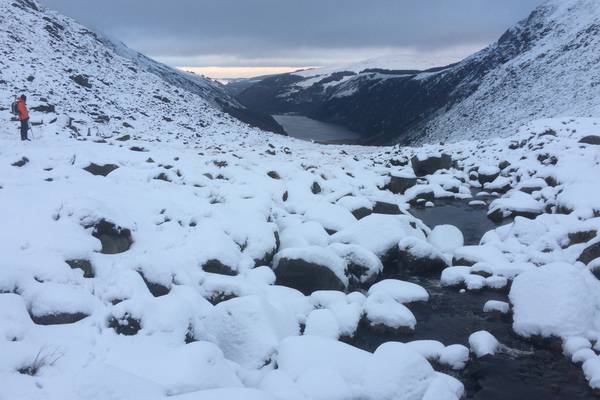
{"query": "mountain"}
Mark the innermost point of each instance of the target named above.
(101, 85)
(518, 78)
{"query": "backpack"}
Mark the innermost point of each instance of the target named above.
(13, 108)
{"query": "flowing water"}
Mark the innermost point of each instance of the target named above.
(523, 370)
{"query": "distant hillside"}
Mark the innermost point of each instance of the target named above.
(554, 51)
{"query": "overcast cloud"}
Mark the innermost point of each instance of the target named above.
(298, 32)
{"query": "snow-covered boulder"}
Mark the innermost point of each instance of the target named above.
(483, 343)
(419, 257)
(446, 238)
(310, 268)
(248, 329)
(428, 164)
(555, 300)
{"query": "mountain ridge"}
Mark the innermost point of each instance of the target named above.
(491, 92)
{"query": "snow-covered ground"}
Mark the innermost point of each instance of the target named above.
(202, 259)
(202, 232)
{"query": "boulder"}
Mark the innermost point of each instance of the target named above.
(101, 170)
(429, 165)
(400, 183)
(309, 269)
(217, 267)
(84, 265)
(125, 325)
(382, 207)
(58, 318)
(114, 239)
(419, 257)
(591, 139)
(590, 253)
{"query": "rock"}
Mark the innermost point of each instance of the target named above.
(399, 184)
(217, 267)
(123, 138)
(101, 170)
(420, 194)
(590, 253)
(84, 265)
(273, 174)
(44, 108)
(581, 236)
(419, 257)
(81, 80)
(362, 212)
(114, 239)
(315, 188)
(125, 325)
(487, 174)
(591, 139)
(431, 164)
(21, 162)
(381, 207)
(309, 275)
(156, 289)
(58, 318)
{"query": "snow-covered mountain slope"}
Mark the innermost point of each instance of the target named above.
(73, 74)
(545, 66)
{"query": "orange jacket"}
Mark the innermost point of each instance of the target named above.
(22, 108)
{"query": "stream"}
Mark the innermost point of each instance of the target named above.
(522, 371)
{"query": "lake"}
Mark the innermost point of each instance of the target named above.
(305, 128)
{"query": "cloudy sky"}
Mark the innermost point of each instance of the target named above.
(247, 37)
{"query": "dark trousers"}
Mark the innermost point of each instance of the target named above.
(24, 128)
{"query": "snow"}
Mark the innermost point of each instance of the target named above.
(222, 208)
(400, 291)
(495, 305)
(556, 299)
(446, 238)
(455, 356)
(483, 343)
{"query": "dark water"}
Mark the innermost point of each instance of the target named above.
(306, 128)
(522, 371)
(472, 221)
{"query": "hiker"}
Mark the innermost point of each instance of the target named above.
(23, 114)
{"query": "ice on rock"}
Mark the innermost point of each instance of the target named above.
(581, 356)
(446, 238)
(483, 343)
(557, 299)
(591, 369)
